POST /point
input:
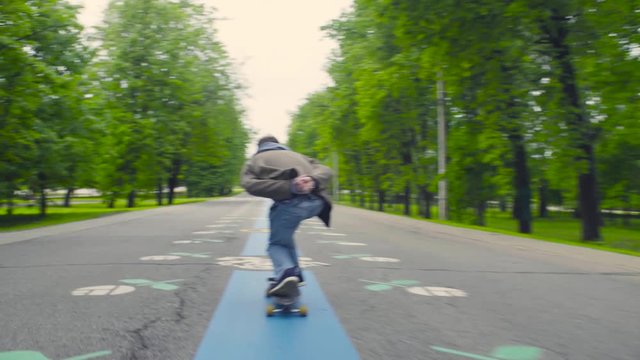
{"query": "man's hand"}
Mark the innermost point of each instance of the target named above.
(303, 184)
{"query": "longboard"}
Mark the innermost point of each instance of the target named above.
(288, 303)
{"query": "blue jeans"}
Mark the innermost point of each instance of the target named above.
(285, 217)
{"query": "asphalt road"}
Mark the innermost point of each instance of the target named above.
(146, 285)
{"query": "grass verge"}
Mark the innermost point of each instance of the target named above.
(558, 227)
(25, 218)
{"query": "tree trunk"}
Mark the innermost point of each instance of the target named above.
(10, 206)
(42, 185)
(502, 204)
(627, 215)
(131, 199)
(556, 31)
(577, 211)
(10, 195)
(543, 212)
(381, 197)
(407, 199)
(67, 197)
(173, 180)
(43, 202)
(112, 201)
(480, 211)
(159, 193)
(172, 187)
(589, 205)
(426, 197)
(522, 200)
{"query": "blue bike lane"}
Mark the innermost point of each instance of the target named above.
(240, 328)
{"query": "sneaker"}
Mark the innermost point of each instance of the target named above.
(300, 278)
(298, 273)
(287, 286)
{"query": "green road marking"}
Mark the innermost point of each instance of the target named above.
(467, 355)
(378, 287)
(517, 353)
(158, 285)
(500, 353)
(382, 286)
(34, 355)
(90, 356)
(22, 355)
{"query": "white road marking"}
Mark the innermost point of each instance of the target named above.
(378, 259)
(325, 233)
(261, 263)
(212, 232)
(256, 230)
(436, 291)
(102, 290)
(160, 257)
(197, 241)
(345, 243)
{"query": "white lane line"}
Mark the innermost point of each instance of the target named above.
(325, 233)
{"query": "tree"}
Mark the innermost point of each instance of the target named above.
(538, 93)
(42, 60)
(171, 97)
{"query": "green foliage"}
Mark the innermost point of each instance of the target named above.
(155, 98)
(41, 63)
(171, 94)
(539, 94)
(28, 218)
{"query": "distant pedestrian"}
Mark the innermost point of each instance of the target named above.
(297, 184)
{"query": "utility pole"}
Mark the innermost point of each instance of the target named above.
(443, 210)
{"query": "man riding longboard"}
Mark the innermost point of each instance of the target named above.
(297, 185)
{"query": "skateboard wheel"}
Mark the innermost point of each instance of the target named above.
(303, 310)
(270, 310)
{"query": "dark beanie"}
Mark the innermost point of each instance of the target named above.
(268, 138)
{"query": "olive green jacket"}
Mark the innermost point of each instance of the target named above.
(270, 171)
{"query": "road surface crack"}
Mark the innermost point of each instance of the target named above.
(139, 340)
(180, 308)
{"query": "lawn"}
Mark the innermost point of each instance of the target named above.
(559, 227)
(27, 217)
(562, 227)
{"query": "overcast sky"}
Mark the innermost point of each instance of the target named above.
(278, 47)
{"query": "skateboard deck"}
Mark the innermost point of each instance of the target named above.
(286, 305)
(287, 302)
